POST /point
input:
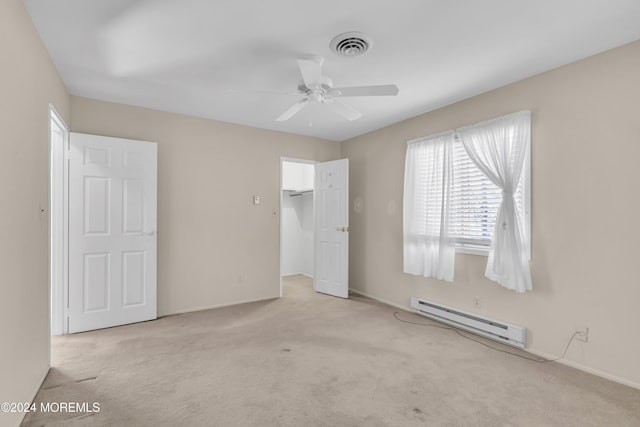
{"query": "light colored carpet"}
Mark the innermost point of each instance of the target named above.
(313, 360)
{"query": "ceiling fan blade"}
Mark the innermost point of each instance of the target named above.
(292, 111)
(344, 110)
(380, 90)
(263, 92)
(311, 70)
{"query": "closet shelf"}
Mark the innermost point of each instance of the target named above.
(293, 193)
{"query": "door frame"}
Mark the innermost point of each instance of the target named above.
(289, 160)
(58, 227)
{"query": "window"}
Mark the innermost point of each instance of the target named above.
(475, 201)
(474, 198)
(468, 191)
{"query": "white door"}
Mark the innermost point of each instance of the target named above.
(331, 225)
(112, 232)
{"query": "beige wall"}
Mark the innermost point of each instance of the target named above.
(214, 246)
(28, 83)
(585, 177)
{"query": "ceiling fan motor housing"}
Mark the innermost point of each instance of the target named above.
(323, 89)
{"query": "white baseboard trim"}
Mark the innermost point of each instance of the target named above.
(542, 354)
(364, 294)
(586, 369)
(209, 307)
(298, 274)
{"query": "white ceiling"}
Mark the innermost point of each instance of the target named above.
(185, 56)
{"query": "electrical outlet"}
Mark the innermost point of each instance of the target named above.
(582, 333)
(476, 302)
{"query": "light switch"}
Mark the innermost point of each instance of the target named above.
(256, 200)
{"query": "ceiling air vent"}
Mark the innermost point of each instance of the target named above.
(351, 44)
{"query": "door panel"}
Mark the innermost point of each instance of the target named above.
(332, 228)
(133, 278)
(95, 282)
(112, 238)
(133, 209)
(96, 205)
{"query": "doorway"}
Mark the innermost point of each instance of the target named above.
(296, 218)
(314, 231)
(102, 230)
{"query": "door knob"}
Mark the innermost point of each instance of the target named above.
(150, 233)
(343, 229)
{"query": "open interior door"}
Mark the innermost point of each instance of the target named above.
(112, 231)
(331, 223)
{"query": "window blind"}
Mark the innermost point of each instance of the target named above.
(474, 201)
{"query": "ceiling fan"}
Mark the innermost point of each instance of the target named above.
(319, 89)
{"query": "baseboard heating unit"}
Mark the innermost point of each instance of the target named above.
(499, 331)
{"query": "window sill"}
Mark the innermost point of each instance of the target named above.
(473, 250)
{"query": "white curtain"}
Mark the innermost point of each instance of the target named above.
(498, 147)
(428, 249)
